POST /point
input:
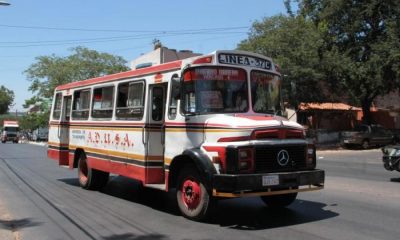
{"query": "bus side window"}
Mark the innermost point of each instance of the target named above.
(57, 107)
(103, 102)
(81, 104)
(157, 108)
(130, 101)
(173, 101)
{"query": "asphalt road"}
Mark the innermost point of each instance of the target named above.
(39, 200)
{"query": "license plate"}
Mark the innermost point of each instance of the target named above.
(271, 180)
(346, 141)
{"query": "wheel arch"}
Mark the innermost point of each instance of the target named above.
(191, 156)
(78, 152)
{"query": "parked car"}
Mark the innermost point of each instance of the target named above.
(396, 133)
(366, 136)
(40, 134)
(391, 157)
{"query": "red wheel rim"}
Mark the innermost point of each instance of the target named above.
(83, 171)
(190, 193)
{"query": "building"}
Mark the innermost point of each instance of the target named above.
(388, 110)
(328, 116)
(161, 55)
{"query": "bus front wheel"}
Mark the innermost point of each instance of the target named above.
(90, 178)
(194, 201)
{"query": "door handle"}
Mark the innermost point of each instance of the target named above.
(143, 135)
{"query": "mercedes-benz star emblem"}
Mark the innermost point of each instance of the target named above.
(283, 157)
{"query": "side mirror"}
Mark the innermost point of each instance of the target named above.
(176, 88)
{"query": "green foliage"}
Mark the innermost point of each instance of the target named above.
(364, 38)
(6, 99)
(294, 44)
(48, 72)
(34, 120)
(334, 49)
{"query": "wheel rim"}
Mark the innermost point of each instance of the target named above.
(190, 193)
(83, 171)
(365, 144)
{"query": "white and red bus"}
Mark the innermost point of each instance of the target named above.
(210, 127)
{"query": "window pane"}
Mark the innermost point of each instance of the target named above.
(57, 107)
(103, 102)
(173, 102)
(130, 103)
(135, 98)
(80, 109)
(265, 92)
(215, 90)
(157, 109)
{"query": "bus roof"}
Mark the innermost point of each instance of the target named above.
(10, 123)
(132, 73)
(227, 57)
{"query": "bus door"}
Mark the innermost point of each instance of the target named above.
(63, 130)
(155, 133)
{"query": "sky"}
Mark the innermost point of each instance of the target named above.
(32, 28)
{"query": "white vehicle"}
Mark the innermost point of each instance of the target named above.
(210, 127)
(10, 131)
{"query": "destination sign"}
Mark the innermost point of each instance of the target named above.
(235, 59)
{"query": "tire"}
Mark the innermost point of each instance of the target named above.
(89, 178)
(194, 200)
(365, 144)
(279, 201)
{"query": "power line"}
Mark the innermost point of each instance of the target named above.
(115, 30)
(109, 39)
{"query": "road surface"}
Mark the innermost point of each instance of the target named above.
(40, 200)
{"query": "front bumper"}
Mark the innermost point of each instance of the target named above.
(232, 185)
(7, 139)
(391, 163)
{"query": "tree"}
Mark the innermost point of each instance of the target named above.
(48, 72)
(34, 120)
(363, 38)
(6, 99)
(294, 42)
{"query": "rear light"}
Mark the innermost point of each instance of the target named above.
(246, 160)
(207, 59)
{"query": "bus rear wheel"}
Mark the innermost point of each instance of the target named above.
(194, 201)
(89, 178)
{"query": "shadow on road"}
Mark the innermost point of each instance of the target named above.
(252, 214)
(240, 213)
(130, 236)
(395, 180)
(15, 225)
(132, 190)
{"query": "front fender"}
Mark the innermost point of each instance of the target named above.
(202, 162)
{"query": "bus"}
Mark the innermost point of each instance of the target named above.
(10, 131)
(208, 127)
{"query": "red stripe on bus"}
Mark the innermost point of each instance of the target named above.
(146, 175)
(133, 73)
(61, 156)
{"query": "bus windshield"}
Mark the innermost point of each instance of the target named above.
(215, 90)
(265, 91)
(11, 129)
